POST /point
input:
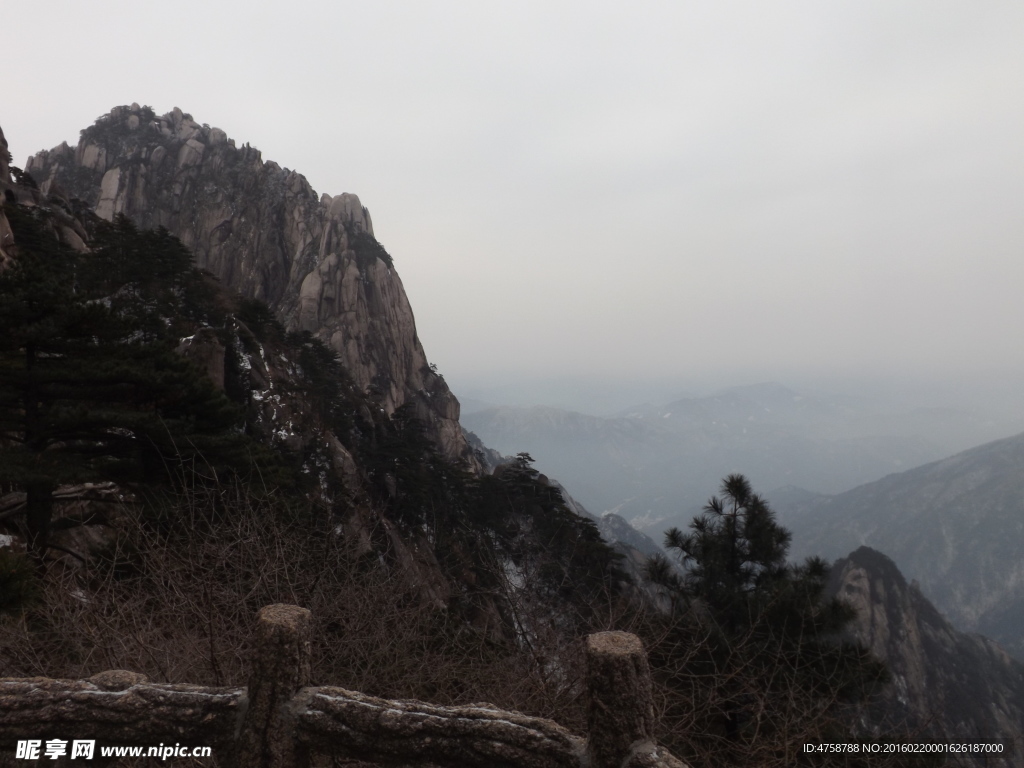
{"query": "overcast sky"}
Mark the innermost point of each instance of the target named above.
(666, 191)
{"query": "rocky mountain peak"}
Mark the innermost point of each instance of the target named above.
(263, 231)
(945, 684)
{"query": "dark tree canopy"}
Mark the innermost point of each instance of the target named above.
(771, 660)
(91, 385)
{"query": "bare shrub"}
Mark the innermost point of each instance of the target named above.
(175, 593)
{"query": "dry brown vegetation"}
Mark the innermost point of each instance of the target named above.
(175, 591)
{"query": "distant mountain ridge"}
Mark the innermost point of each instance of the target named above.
(655, 465)
(956, 526)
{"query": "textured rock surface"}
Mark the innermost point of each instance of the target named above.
(14, 191)
(113, 708)
(5, 159)
(388, 732)
(263, 231)
(6, 237)
(620, 703)
(956, 526)
(280, 667)
(945, 684)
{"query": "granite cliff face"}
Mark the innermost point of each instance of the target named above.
(262, 231)
(18, 188)
(946, 684)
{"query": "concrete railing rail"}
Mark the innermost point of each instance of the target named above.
(279, 720)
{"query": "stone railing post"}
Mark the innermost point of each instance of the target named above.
(280, 668)
(620, 707)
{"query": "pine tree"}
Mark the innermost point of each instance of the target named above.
(770, 661)
(91, 385)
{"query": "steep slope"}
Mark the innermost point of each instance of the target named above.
(956, 526)
(635, 547)
(262, 230)
(946, 685)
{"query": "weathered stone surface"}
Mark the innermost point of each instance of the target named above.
(620, 708)
(945, 684)
(91, 156)
(6, 240)
(191, 153)
(108, 204)
(649, 755)
(63, 225)
(6, 184)
(264, 232)
(281, 666)
(141, 713)
(118, 679)
(354, 725)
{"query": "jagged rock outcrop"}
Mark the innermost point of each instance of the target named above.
(9, 196)
(5, 159)
(945, 684)
(18, 188)
(263, 231)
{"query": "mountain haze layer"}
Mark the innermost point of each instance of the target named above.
(656, 465)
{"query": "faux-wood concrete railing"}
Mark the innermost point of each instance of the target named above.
(278, 721)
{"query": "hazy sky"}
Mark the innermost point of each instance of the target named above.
(666, 190)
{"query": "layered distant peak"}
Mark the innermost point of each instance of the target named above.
(945, 684)
(264, 232)
(954, 525)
